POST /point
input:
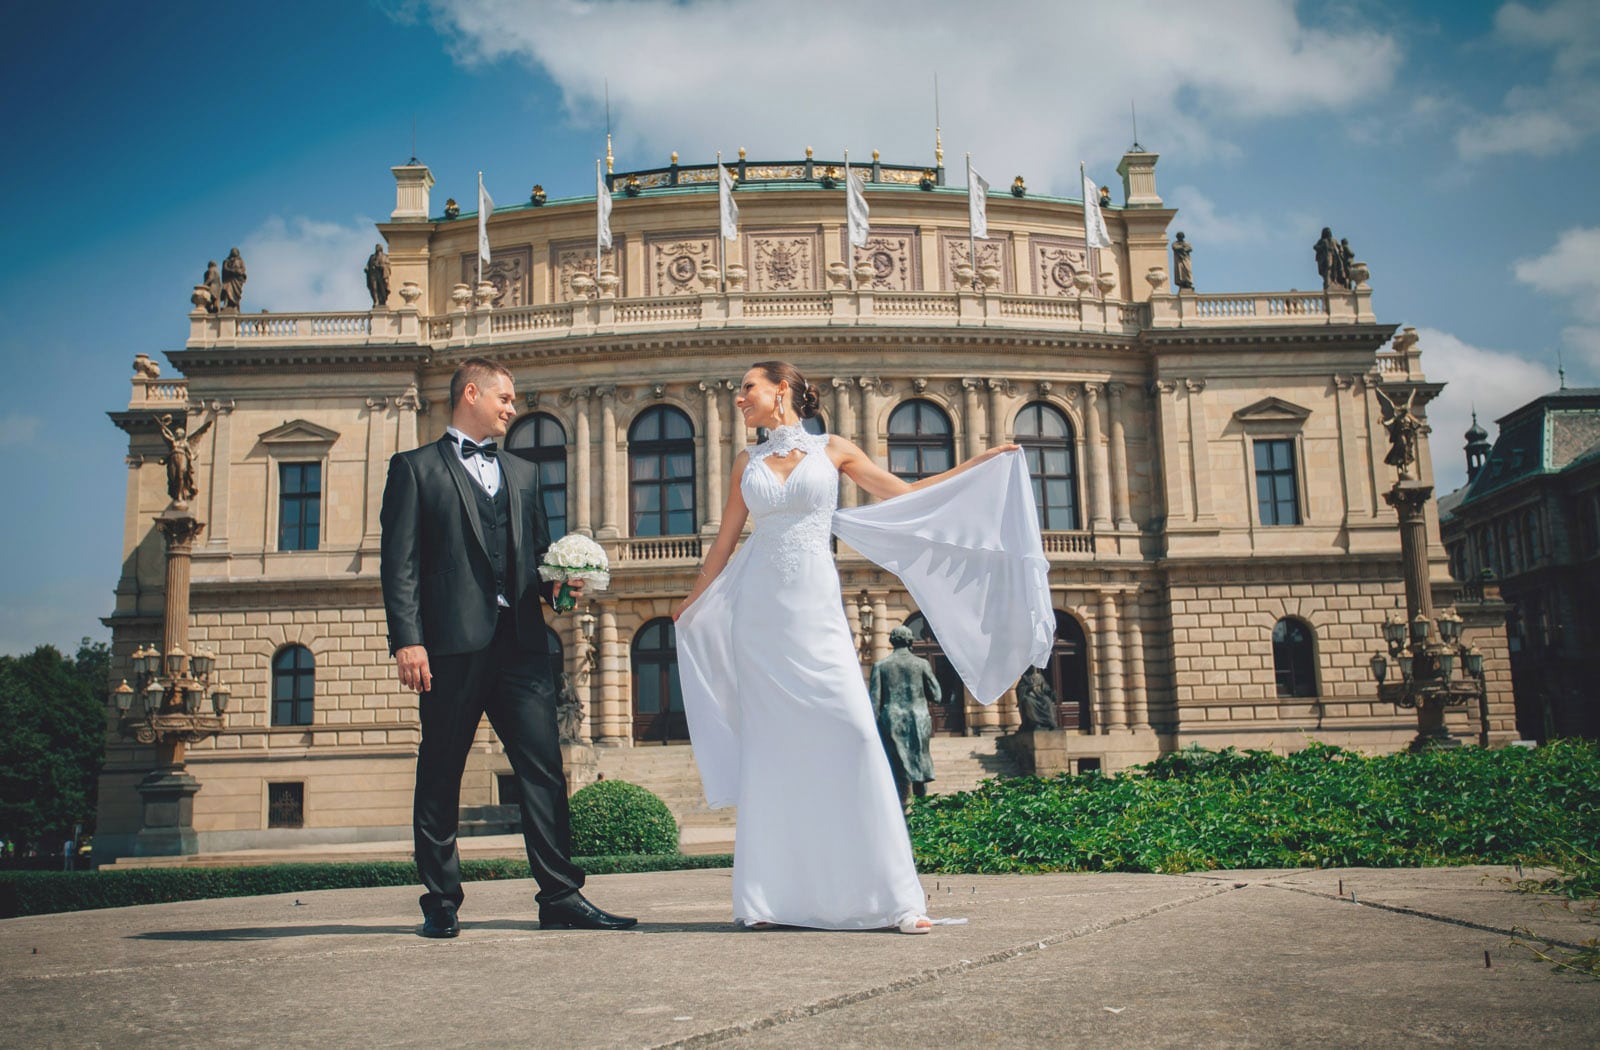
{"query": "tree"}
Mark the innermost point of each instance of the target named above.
(52, 741)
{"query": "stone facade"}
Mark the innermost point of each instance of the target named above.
(1169, 587)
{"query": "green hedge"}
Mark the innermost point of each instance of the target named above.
(1321, 807)
(614, 816)
(44, 892)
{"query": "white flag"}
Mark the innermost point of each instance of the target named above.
(977, 203)
(855, 208)
(485, 209)
(729, 210)
(602, 202)
(1094, 224)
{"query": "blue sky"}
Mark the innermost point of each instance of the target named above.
(1450, 143)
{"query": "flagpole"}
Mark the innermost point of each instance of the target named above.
(722, 257)
(849, 188)
(1092, 255)
(597, 228)
(481, 226)
(972, 241)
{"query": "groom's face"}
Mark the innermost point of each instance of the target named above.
(490, 407)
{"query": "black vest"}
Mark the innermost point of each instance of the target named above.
(494, 514)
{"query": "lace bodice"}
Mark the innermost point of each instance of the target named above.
(793, 517)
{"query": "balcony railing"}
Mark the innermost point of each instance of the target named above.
(666, 548)
(1068, 542)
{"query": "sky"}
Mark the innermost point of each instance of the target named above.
(1450, 143)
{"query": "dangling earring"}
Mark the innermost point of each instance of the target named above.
(777, 406)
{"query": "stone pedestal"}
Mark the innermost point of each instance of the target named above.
(168, 831)
(1039, 752)
(582, 765)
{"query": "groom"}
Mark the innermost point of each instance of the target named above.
(463, 533)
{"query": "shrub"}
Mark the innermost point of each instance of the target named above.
(614, 816)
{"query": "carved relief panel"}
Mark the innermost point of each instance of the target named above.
(673, 262)
(784, 260)
(895, 256)
(1056, 260)
(954, 250)
(510, 271)
(574, 257)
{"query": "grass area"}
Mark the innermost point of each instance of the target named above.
(1576, 890)
(44, 892)
(1198, 810)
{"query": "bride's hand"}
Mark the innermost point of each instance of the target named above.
(679, 609)
(990, 453)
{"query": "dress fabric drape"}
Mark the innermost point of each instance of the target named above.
(779, 715)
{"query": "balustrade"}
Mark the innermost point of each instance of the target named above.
(666, 548)
(1068, 542)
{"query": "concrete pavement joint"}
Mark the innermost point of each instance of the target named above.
(821, 1006)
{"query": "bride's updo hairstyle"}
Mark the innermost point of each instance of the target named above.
(804, 396)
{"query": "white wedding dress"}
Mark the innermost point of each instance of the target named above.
(778, 711)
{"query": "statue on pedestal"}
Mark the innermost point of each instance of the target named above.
(1182, 267)
(233, 278)
(378, 277)
(180, 459)
(1331, 262)
(902, 687)
(1036, 701)
(569, 712)
(1403, 425)
(212, 283)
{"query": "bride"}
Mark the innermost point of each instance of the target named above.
(779, 715)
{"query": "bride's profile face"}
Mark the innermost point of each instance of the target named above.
(758, 399)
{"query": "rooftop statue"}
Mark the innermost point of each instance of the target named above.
(1182, 266)
(212, 283)
(378, 277)
(233, 278)
(180, 459)
(1331, 262)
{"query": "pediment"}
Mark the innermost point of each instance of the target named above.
(299, 432)
(1272, 410)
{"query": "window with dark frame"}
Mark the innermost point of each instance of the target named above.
(1293, 658)
(1045, 434)
(286, 805)
(657, 692)
(920, 441)
(299, 506)
(542, 440)
(294, 681)
(661, 478)
(1277, 490)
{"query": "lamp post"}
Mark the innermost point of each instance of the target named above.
(1425, 645)
(865, 614)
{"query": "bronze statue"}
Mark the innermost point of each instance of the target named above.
(378, 277)
(1182, 267)
(1347, 258)
(1403, 426)
(233, 278)
(180, 459)
(902, 687)
(212, 282)
(569, 712)
(1330, 262)
(1036, 701)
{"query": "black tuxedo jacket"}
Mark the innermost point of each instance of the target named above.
(438, 585)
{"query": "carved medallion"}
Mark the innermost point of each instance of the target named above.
(954, 250)
(509, 270)
(782, 261)
(1056, 261)
(569, 258)
(676, 261)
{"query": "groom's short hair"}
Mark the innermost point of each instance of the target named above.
(476, 370)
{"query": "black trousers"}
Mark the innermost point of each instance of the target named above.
(512, 686)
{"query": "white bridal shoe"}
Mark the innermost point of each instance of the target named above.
(916, 924)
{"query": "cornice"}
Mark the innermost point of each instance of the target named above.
(1366, 336)
(360, 357)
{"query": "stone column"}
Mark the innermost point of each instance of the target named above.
(1119, 457)
(610, 483)
(1099, 478)
(180, 529)
(615, 728)
(970, 427)
(1377, 440)
(1199, 450)
(713, 466)
(843, 425)
(1133, 646)
(582, 498)
(880, 626)
(221, 459)
(999, 432)
(737, 431)
(867, 424)
(1410, 501)
(1173, 489)
(1114, 714)
(377, 468)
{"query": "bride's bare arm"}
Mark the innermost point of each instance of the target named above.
(734, 513)
(859, 468)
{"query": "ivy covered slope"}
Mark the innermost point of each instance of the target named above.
(1321, 807)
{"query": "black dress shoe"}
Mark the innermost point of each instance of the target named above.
(440, 921)
(574, 913)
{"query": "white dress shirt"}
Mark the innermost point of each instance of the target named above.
(485, 471)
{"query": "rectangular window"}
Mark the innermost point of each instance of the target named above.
(299, 506)
(1277, 494)
(286, 805)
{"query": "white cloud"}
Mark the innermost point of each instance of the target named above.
(18, 430)
(1492, 382)
(1556, 115)
(1571, 270)
(1201, 223)
(1038, 86)
(304, 264)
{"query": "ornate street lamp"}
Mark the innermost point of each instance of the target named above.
(865, 614)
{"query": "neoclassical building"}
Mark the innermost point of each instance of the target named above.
(1209, 470)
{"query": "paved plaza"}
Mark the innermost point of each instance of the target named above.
(1236, 959)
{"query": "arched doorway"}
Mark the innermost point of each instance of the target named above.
(1069, 673)
(657, 697)
(950, 713)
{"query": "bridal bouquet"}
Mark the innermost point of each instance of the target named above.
(575, 557)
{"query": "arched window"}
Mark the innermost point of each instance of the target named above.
(1293, 659)
(920, 442)
(1045, 434)
(1068, 673)
(657, 696)
(950, 713)
(294, 685)
(541, 440)
(661, 473)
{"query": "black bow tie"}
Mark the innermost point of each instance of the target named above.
(470, 448)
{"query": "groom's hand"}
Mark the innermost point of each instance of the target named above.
(412, 663)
